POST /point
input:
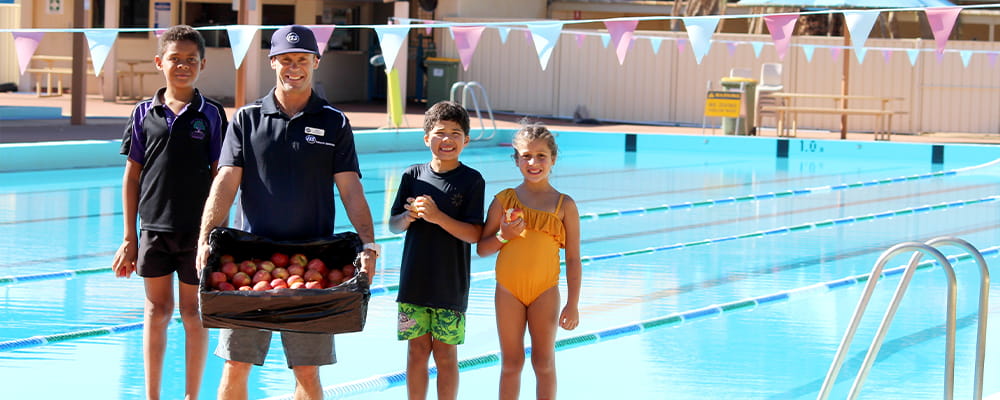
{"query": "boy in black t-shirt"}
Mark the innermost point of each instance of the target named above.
(172, 141)
(440, 206)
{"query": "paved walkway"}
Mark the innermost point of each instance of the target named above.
(106, 120)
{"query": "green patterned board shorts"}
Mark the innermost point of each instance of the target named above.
(446, 326)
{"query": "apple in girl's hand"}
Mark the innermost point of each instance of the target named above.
(241, 279)
(280, 273)
(216, 278)
(280, 259)
(297, 285)
(248, 267)
(226, 258)
(349, 271)
(300, 259)
(512, 214)
(229, 268)
(226, 286)
(262, 286)
(279, 283)
(314, 285)
(261, 276)
(266, 266)
(296, 269)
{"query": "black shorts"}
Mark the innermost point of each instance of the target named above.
(163, 253)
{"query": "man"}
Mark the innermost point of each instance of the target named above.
(285, 152)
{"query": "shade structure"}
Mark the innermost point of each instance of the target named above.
(847, 3)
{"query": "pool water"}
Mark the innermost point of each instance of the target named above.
(697, 225)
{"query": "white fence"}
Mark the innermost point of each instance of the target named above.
(669, 86)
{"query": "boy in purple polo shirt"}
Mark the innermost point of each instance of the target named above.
(172, 141)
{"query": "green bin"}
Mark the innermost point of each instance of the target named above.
(738, 126)
(441, 74)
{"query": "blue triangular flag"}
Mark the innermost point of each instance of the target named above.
(100, 42)
(240, 39)
(391, 39)
(545, 36)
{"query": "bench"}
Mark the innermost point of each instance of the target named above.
(786, 108)
(49, 70)
(130, 75)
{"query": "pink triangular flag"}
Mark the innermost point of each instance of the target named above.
(25, 43)
(781, 26)
(731, 46)
(322, 33)
(621, 36)
(579, 40)
(428, 29)
(681, 45)
(992, 57)
(466, 40)
(942, 20)
(835, 53)
(159, 32)
(886, 55)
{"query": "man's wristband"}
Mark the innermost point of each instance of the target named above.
(374, 247)
(500, 238)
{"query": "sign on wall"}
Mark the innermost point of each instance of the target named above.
(162, 17)
(722, 104)
(54, 7)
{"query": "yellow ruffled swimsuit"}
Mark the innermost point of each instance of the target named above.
(528, 266)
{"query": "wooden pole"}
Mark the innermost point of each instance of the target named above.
(242, 18)
(78, 100)
(844, 82)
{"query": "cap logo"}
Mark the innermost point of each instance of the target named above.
(292, 37)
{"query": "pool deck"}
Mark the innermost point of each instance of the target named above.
(105, 121)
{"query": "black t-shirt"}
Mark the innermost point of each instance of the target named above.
(176, 153)
(435, 266)
(288, 166)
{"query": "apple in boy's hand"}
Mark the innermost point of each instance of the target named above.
(230, 269)
(280, 260)
(241, 279)
(512, 214)
(300, 259)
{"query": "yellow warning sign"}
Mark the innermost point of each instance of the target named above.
(722, 104)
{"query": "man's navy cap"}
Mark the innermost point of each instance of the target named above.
(293, 39)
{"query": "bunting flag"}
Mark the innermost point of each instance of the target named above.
(428, 30)
(323, 33)
(545, 36)
(835, 53)
(159, 32)
(621, 36)
(579, 40)
(860, 54)
(757, 47)
(26, 43)
(781, 26)
(466, 40)
(681, 44)
(808, 50)
(859, 24)
(527, 35)
(942, 20)
(503, 31)
(605, 39)
(240, 39)
(700, 30)
(100, 42)
(655, 44)
(913, 54)
(886, 56)
(966, 56)
(731, 46)
(391, 38)
(992, 57)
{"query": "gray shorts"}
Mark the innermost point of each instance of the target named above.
(251, 345)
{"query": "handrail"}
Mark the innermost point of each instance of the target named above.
(919, 249)
(475, 103)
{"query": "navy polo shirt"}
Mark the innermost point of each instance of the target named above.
(176, 153)
(288, 166)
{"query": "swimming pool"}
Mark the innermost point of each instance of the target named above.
(672, 225)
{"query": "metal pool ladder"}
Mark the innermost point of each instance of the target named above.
(475, 104)
(919, 249)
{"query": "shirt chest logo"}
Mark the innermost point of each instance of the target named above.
(312, 140)
(198, 127)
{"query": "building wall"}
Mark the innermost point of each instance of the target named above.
(526, 9)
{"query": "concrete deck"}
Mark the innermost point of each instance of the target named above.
(106, 120)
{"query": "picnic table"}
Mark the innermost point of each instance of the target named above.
(50, 70)
(786, 109)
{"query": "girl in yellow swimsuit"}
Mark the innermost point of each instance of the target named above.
(527, 293)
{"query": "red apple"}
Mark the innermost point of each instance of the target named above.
(226, 258)
(314, 285)
(296, 269)
(245, 288)
(335, 277)
(313, 276)
(226, 286)
(261, 286)
(297, 285)
(349, 271)
(300, 259)
(216, 278)
(261, 276)
(278, 283)
(229, 269)
(295, 278)
(318, 265)
(266, 266)
(280, 259)
(513, 214)
(280, 273)
(241, 279)
(248, 267)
